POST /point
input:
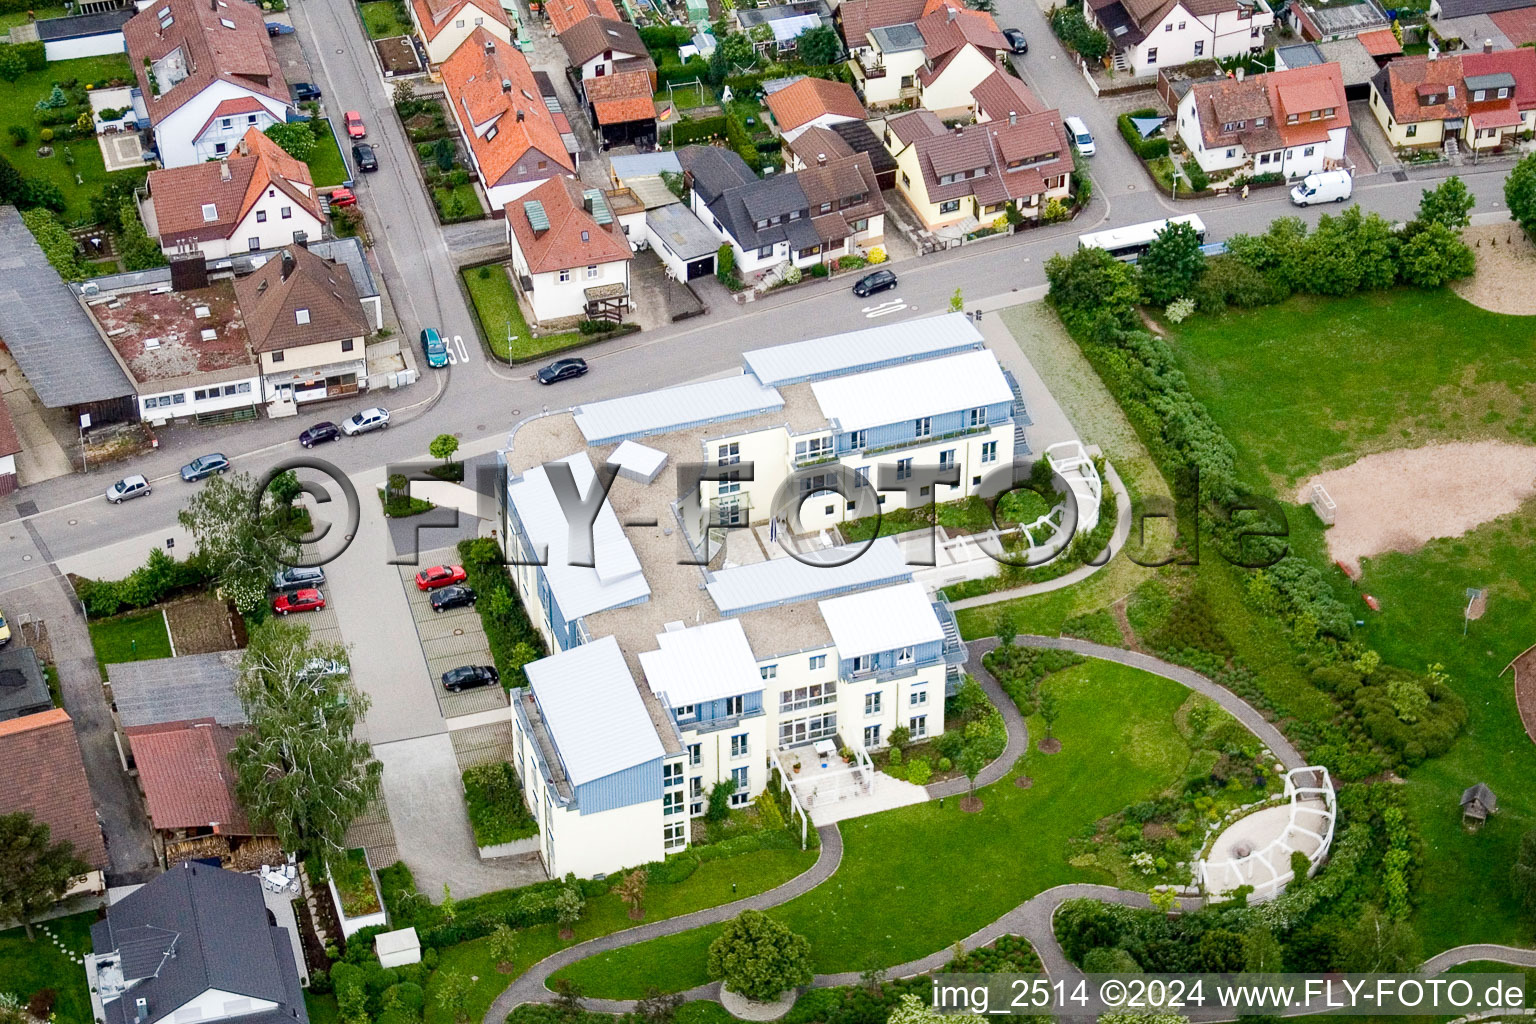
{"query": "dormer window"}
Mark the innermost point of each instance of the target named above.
(826, 207)
(1504, 93)
(1479, 95)
(1258, 122)
(1291, 118)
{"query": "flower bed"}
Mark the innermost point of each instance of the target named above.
(497, 813)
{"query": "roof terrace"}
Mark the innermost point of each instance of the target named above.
(161, 335)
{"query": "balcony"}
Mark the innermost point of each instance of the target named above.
(928, 439)
(708, 725)
(886, 675)
(871, 68)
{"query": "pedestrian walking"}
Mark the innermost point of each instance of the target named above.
(1245, 190)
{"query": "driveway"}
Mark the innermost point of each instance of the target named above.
(450, 639)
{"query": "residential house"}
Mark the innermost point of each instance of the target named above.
(258, 197)
(1480, 101)
(1285, 122)
(1148, 35)
(23, 687)
(961, 179)
(1324, 22)
(1001, 95)
(599, 46)
(443, 25)
(562, 14)
(846, 207)
(620, 108)
(208, 74)
(306, 326)
(189, 789)
(813, 103)
(935, 61)
(513, 140)
(1358, 57)
(569, 256)
(196, 943)
(1518, 25)
(843, 139)
(45, 777)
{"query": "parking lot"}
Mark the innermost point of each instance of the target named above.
(450, 639)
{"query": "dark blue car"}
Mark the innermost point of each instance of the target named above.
(204, 466)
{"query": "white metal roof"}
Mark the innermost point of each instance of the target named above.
(657, 412)
(616, 577)
(638, 459)
(786, 29)
(886, 619)
(912, 390)
(868, 349)
(702, 664)
(593, 712)
(786, 580)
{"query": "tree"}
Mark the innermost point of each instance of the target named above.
(1094, 292)
(658, 1007)
(1265, 954)
(1172, 264)
(443, 447)
(1007, 630)
(957, 302)
(296, 138)
(900, 737)
(720, 801)
(568, 907)
(12, 66)
(443, 152)
(1520, 194)
(138, 250)
(503, 946)
(1377, 943)
(1522, 875)
(758, 958)
(1448, 203)
(568, 998)
(11, 182)
(1220, 951)
(34, 872)
(453, 994)
(819, 46)
(1050, 710)
(1433, 255)
(299, 768)
(55, 100)
(241, 542)
(972, 761)
(631, 892)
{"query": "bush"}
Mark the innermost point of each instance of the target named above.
(497, 812)
(45, 136)
(700, 130)
(295, 138)
(919, 772)
(665, 37)
(1198, 179)
(513, 639)
(1147, 149)
(158, 578)
(19, 134)
(819, 270)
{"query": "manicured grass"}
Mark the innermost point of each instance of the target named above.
(326, 165)
(42, 12)
(497, 309)
(468, 201)
(380, 21)
(897, 894)
(685, 98)
(1315, 383)
(136, 636)
(17, 100)
(28, 967)
(709, 886)
(322, 1008)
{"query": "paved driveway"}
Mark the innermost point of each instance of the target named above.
(448, 640)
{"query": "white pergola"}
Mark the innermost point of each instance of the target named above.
(1309, 818)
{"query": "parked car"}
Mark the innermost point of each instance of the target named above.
(204, 466)
(5, 627)
(467, 677)
(1323, 187)
(306, 92)
(869, 284)
(306, 600)
(440, 576)
(363, 422)
(355, 127)
(1016, 40)
(342, 197)
(299, 577)
(323, 668)
(277, 28)
(562, 369)
(1081, 137)
(456, 596)
(319, 434)
(433, 348)
(365, 158)
(128, 487)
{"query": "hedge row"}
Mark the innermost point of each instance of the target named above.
(150, 583)
(512, 637)
(700, 130)
(1147, 149)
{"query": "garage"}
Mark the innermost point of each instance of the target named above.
(685, 245)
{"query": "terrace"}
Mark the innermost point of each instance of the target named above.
(162, 335)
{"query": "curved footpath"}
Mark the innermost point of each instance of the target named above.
(1031, 919)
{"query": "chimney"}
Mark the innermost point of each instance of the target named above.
(506, 85)
(1487, 45)
(224, 174)
(301, 239)
(490, 46)
(289, 263)
(1013, 117)
(245, 147)
(519, 116)
(141, 1010)
(821, 159)
(1241, 71)
(950, 11)
(213, 5)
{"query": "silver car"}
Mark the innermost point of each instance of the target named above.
(128, 487)
(369, 419)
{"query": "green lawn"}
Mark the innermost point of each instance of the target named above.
(135, 636)
(17, 100)
(41, 11)
(469, 203)
(498, 313)
(380, 20)
(326, 165)
(28, 967)
(897, 896)
(1376, 371)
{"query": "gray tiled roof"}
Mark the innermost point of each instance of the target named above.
(41, 322)
(1463, 8)
(176, 689)
(83, 25)
(215, 923)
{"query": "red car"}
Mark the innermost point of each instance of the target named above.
(310, 600)
(355, 127)
(343, 197)
(440, 576)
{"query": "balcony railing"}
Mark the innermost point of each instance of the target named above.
(871, 68)
(886, 675)
(915, 442)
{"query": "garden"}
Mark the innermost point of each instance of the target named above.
(505, 331)
(513, 639)
(313, 142)
(385, 19)
(494, 797)
(49, 977)
(449, 179)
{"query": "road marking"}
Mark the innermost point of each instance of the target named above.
(458, 352)
(883, 309)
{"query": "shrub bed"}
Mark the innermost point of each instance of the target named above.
(513, 639)
(494, 797)
(161, 576)
(1147, 149)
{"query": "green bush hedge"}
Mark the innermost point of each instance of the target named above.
(1147, 149)
(665, 37)
(700, 130)
(507, 628)
(158, 578)
(678, 74)
(494, 797)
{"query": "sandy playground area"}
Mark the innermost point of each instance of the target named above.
(1398, 501)
(1506, 266)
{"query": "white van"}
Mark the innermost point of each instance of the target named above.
(1081, 137)
(1323, 187)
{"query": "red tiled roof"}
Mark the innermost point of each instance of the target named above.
(810, 98)
(1519, 62)
(621, 97)
(1409, 80)
(1380, 42)
(187, 779)
(947, 27)
(562, 14)
(179, 193)
(228, 108)
(1017, 159)
(1272, 97)
(45, 777)
(435, 15)
(574, 238)
(226, 40)
(1000, 94)
(857, 17)
(473, 78)
(1518, 25)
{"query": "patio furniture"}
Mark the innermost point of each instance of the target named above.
(825, 748)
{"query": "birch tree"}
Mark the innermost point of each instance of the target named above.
(242, 542)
